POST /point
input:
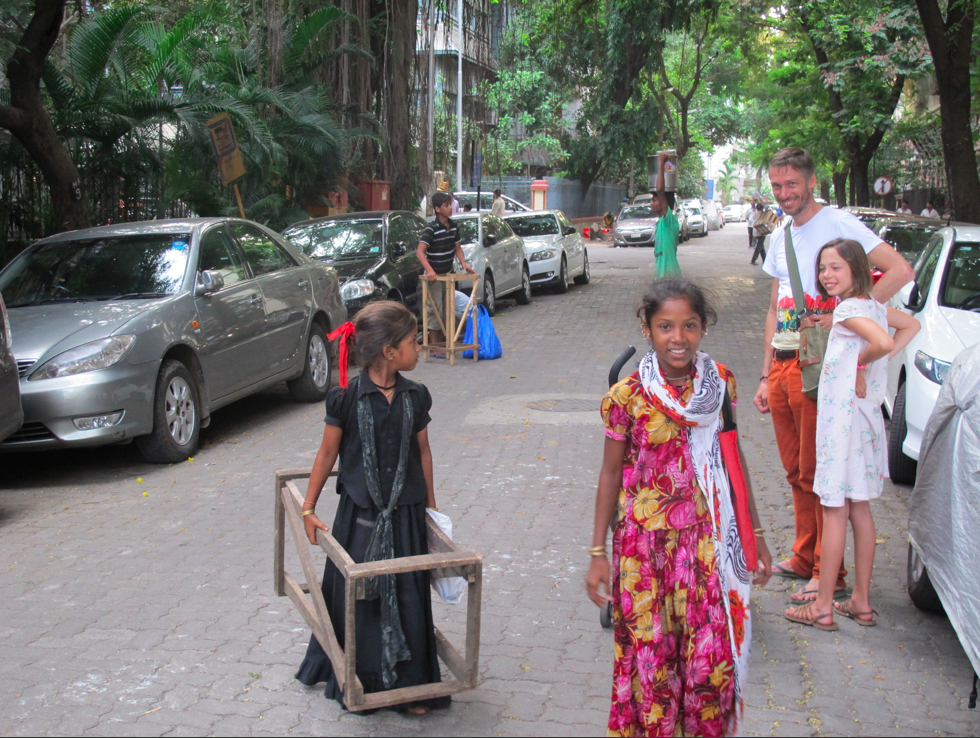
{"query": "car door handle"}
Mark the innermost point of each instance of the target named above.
(255, 299)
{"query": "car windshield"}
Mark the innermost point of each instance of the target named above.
(110, 268)
(468, 231)
(962, 286)
(636, 211)
(534, 225)
(909, 240)
(693, 211)
(338, 239)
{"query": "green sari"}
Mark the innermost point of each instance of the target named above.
(665, 246)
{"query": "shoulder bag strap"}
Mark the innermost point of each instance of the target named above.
(794, 270)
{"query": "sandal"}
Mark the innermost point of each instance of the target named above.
(804, 596)
(783, 569)
(867, 619)
(804, 616)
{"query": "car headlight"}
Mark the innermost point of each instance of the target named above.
(542, 255)
(932, 369)
(86, 358)
(357, 288)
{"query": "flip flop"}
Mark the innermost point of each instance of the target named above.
(844, 609)
(806, 597)
(803, 617)
(784, 571)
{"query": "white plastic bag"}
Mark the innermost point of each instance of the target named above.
(450, 589)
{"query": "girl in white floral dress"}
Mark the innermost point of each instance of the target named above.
(851, 459)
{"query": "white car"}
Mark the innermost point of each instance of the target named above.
(945, 298)
(734, 213)
(486, 200)
(555, 250)
(497, 254)
(697, 221)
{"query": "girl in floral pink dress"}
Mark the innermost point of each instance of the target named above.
(680, 584)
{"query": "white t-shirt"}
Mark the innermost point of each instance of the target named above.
(929, 213)
(904, 211)
(826, 225)
(498, 206)
(752, 217)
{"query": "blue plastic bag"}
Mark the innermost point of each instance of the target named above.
(490, 347)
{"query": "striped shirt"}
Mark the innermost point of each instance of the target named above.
(440, 243)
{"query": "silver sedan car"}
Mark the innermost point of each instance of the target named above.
(142, 330)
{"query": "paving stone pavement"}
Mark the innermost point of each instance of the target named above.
(137, 599)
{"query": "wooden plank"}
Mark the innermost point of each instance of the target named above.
(414, 563)
(474, 601)
(306, 561)
(450, 656)
(425, 320)
(354, 692)
(328, 543)
(374, 700)
(437, 539)
(323, 631)
(279, 543)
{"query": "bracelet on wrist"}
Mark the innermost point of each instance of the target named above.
(308, 512)
(863, 367)
(597, 551)
(766, 378)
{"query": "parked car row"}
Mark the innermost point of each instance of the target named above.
(636, 225)
(140, 331)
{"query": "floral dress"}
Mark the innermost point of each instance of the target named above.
(673, 655)
(851, 460)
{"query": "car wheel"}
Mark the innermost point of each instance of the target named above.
(489, 294)
(561, 286)
(921, 591)
(523, 296)
(586, 274)
(313, 383)
(176, 417)
(900, 467)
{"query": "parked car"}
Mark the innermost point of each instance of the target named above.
(945, 298)
(684, 228)
(635, 226)
(555, 250)
(908, 236)
(11, 412)
(486, 200)
(734, 213)
(494, 251)
(697, 222)
(142, 330)
(373, 253)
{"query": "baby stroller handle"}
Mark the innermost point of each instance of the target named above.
(618, 365)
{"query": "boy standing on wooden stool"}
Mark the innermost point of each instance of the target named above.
(438, 246)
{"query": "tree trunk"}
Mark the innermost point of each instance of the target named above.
(859, 178)
(398, 61)
(840, 186)
(27, 118)
(825, 189)
(950, 42)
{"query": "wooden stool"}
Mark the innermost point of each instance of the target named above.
(308, 598)
(448, 326)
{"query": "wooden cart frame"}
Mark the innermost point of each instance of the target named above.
(308, 598)
(449, 327)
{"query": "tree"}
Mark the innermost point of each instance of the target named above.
(950, 40)
(26, 117)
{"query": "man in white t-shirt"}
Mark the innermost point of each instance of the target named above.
(498, 206)
(752, 217)
(930, 211)
(794, 414)
(904, 209)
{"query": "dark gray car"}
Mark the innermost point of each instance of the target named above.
(11, 413)
(141, 330)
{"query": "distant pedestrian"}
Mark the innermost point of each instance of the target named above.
(378, 427)
(667, 231)
(680, 582)
(903, 208)
(467, 208)
(851, 457)
(752, 217)
(439, 245)
(759, 237)
(794, 413)
(456, 207)
(499, 205)
(930, 211)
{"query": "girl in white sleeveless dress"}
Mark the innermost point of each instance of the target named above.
(851, 459)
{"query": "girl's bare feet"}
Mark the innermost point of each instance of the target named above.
(418, 710)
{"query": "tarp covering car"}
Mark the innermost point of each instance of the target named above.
(944, 517)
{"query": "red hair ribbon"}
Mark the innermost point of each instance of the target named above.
(345, 333)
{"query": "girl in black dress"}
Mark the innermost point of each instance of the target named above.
(377, 427)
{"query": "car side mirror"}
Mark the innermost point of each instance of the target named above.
(913, 303)
(210, 281)
(489, 240)
(571, 231)
(399, 249)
